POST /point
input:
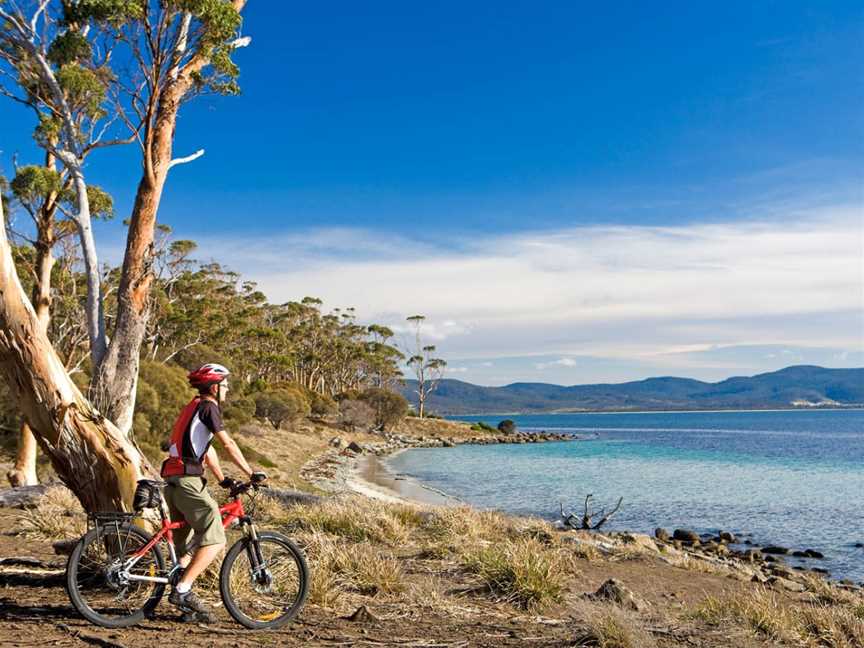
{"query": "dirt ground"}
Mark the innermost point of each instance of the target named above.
(35, 611)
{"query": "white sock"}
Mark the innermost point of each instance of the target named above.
(182, 588)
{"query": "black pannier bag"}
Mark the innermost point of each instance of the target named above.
(147, 495)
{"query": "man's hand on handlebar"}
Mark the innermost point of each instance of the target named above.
(228, 483)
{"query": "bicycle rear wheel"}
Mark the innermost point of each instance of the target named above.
(96, 585)
(264, 582)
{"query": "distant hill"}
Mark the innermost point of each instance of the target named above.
(798, 386)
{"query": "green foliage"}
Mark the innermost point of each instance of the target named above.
(480, 426)
(114, 12)
(47, 132)
(238, 410)
(32, 183)
(162, 392)
(281, 405)
(355, 414)
(69, 47)
(507, 426)
(389, 407)
(322, 405)
(101, 202)
(84, 89)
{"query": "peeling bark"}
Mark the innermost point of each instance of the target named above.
(91, 456)
(24, 472)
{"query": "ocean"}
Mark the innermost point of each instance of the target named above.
(793, 478)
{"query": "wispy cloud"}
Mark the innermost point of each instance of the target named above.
(622, 291)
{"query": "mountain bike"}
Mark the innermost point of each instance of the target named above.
(117, 573)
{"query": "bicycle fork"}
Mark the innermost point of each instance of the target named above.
(257, 566)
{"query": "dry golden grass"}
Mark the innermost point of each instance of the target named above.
(767, 614)
(57, 515)
(353, 519)
(608, 626)
(523, 572)
(338, 566)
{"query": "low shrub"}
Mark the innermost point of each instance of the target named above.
(354, 414)
(389, 407)
(281, 405)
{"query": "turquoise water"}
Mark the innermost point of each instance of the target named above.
(794, 478)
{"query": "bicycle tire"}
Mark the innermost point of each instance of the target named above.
(239, 549)
(74, 569)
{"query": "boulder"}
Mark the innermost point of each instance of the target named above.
(661, 534)
(812, 553)
(785, 583)
(614, 591)
(362, 615)
(753, 555)
(336, 442)
(725, 536)
(686, 536)
(355, 447)
(775, 550)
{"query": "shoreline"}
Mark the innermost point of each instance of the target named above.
(458, 417)
(369, 475)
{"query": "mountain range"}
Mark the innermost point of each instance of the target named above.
(797, 386)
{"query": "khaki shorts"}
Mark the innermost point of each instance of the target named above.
(188, 499)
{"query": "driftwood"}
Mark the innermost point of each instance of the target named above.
(586, 521)
(21, 496)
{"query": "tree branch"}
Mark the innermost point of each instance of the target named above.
(189, 158)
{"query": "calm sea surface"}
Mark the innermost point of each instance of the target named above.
(794, 478)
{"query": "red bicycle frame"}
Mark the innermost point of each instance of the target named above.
(231, 511)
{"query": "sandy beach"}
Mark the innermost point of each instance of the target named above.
(369, 475)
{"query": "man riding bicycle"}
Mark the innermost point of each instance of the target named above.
(186, 493)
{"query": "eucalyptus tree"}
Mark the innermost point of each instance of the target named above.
(428, 369)
(154, 56)
(41, 192)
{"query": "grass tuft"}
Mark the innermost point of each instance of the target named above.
(56, 515)
(610, 627)
(767, 615)
(357, 522)
(523, 572)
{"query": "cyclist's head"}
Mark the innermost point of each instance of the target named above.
(210, 380)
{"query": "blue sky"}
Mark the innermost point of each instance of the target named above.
(571, 192)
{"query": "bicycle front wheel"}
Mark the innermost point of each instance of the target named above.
(264, 582)
(97, 577)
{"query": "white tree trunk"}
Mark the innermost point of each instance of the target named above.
(91, 456)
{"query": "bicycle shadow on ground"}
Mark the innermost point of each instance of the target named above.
(13, 610)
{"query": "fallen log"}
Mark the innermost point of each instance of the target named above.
(21, 496)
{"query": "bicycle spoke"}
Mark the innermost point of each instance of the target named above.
(100, 578)
(266, 598)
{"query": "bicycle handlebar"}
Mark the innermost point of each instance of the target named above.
(238, 489)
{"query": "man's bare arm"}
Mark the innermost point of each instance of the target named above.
(234, 452)
(212, 460)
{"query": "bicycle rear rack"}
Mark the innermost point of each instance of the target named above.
(108, 518)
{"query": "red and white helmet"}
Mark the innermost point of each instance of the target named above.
(207, 375)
